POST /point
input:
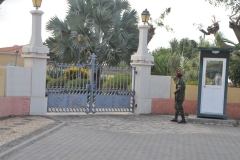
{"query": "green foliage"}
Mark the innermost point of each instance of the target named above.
(232, 85)
(109, 29)
(159, 21)
(53, 73)
(174, 63)
(189, 68)
(48, 78)
(122, 64)
(160, 61)
(161, 51)
(77, 83)
(203, 42)
(120, 81)
(174, 45)
(185, 65)
(57, 82)
(73, 73)
(191, 75)
(234, 69)
(160, 65)
(167, 61)
(192, 83)
(185, 47)
(219, 39)
(229, 4)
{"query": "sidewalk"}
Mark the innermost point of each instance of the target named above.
(17, 129)
(24, 130)
(128, 137)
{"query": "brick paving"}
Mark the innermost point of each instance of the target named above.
(17, 129)
(130, 137)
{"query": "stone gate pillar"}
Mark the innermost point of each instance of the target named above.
(143, 61)
(35, 57)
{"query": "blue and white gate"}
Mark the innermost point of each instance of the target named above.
(89, 88)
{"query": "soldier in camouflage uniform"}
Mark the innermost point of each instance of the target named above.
(179, 98)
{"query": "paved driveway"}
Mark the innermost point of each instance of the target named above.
(130, 137)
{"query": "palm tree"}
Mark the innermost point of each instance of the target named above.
(160, 65)
(174, 62)
(203, 42)
(108, 29)
(174, 45)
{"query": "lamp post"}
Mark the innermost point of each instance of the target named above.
(36, 44)
(145, 16)
(143, 62)
(35, 57)
(143, 35)
(80, 39)
(37, 3)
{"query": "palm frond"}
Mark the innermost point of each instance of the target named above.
(109, 29)
(57, 27)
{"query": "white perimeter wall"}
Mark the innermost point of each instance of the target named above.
(160, 86)
(18, 81)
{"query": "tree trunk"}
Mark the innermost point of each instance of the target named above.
(236, 29)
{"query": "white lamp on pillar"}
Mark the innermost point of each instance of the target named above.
(142, 52)
(145, 16)
(143, 61)
(37, 3)
(35, 57)
(36, 45)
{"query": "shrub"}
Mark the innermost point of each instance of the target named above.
(54, 74)
(191, 75)
(192, 83)
(57, 82)
(118, 81)
(48, 78)
(77, 83)
(72, 73)
(234, 68)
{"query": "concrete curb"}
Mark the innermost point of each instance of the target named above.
(17, 148)
(211, 121)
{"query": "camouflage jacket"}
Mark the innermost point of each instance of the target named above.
(181, 94)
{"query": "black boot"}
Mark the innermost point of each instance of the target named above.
(183, 119)
(175, 119)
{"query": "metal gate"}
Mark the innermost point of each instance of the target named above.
(89, 88)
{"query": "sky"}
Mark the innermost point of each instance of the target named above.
(16, 20)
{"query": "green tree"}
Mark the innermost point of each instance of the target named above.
(203, 42)
(159, 22)
(167, 61)
(160, 61)
(108, 29)
(185, 47)
(174, 62)
(234, 68)
(174, 45)
(161, 51)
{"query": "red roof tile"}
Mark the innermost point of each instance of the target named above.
(12, 49)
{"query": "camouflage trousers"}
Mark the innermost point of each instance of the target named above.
(179, 108)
